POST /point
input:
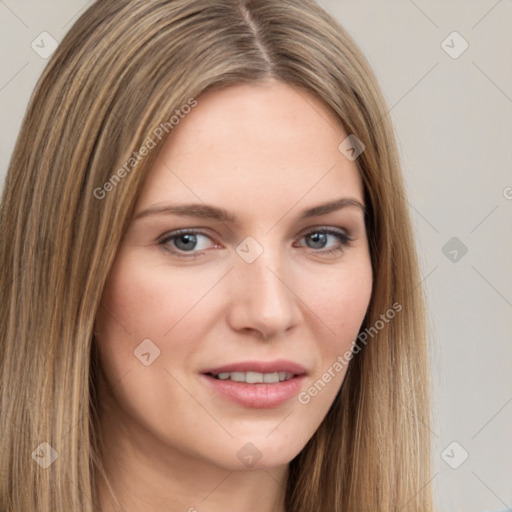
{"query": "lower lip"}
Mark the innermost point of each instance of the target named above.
(257, 396)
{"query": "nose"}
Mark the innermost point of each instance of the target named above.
(262, 297)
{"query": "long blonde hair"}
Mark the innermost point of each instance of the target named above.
(120, 72)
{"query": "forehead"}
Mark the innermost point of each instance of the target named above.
(254, 145)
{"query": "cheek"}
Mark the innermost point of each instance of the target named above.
(146, 301)
(132, 309)
(130, 298)
(143, 302)
(340, 303)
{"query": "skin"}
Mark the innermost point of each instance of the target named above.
(264, 152)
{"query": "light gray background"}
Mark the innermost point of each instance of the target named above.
(453, 118)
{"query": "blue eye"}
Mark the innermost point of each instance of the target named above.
(320, 237)
(184, 241)
(191, 243)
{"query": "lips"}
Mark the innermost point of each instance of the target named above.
(280, 365)
(253, 383)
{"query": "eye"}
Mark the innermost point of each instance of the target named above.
(186, 241)
(191, 243)
(319, 238)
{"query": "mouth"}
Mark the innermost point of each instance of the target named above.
(253, 377)
(256, 384)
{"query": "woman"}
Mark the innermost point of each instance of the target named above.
(211, 292)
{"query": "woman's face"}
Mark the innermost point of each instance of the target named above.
(234, 268)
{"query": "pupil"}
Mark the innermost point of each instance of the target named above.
(188, 239)
(318, 237)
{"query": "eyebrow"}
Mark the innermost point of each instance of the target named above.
(205, 211)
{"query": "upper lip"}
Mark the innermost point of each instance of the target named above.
(280, 365)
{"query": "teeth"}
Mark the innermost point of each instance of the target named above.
(238, 376)
(271, 378)
(255, 377)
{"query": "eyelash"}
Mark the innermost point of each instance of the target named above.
(345, 240)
